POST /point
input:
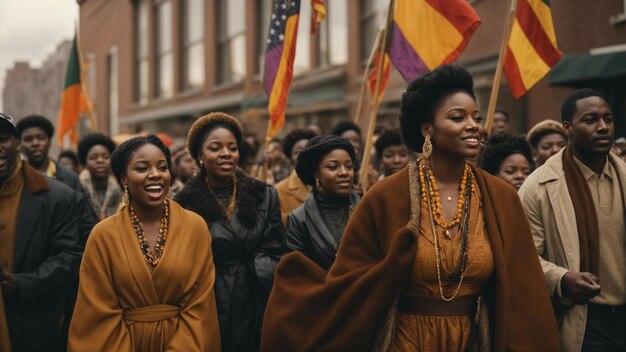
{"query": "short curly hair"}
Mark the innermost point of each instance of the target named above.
(205, 124)
(343, 126)
(425, 94)
(91, 140)
(294, 137)
(387, 138)
(569, 107)
(500, 147)
(35, 121)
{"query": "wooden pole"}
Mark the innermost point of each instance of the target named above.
(374, 114)
(83, 86)
(508, 24)
(370, 62)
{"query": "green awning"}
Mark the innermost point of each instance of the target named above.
(579, 69)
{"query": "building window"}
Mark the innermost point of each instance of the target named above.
(141, 52)
(112, 83)
(91, 76)
(373, 14)
(231, 46)
(192, 20)
(302, 61)
(164, 53)
(333, 35)
(264, 12)
(620, 17)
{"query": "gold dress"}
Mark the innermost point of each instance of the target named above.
(444, 333)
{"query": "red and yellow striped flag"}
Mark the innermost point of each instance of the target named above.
(73, 101)
(532, 49)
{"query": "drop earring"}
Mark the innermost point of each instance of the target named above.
(427, 148)
(125, 197)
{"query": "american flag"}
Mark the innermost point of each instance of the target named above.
(279, 56)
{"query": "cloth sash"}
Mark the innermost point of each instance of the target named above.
(152, 313)
(585, 211)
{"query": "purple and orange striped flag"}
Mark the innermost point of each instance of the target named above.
(532, 49)
(429, 33)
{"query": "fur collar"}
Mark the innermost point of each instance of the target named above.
(250, 193)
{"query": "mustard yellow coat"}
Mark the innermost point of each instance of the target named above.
(291, 194)
(122, 306)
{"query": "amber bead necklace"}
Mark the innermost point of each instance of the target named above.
(427, 183)
(152, 258)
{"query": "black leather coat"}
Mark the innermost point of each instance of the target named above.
(245, 250)
(307, 232)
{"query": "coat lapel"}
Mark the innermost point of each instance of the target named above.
(561, 204)
(313, 213)
(134, 257)
(28, 216)
(169, 259)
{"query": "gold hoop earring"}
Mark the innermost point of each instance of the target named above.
(126, 197)
(427, 148)
(318, 185)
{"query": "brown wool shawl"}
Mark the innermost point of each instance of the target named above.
(352, 306)
(586, 217)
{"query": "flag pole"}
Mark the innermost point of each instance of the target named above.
(370, 62)
(508, 24)
(374, 114)
(83, 85)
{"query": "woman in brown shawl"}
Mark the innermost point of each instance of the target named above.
(146, 280)
(437, 257)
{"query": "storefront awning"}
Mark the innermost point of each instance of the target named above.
(574, 70)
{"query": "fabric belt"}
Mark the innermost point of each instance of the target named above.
(432, 307)
(606, 310)
(152, 313)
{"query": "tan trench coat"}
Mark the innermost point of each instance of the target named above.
(291, 194)
(550, 212)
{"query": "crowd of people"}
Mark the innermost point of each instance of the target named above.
(457, 241)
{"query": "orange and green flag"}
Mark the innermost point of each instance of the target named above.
(532, 50)
(73, 101)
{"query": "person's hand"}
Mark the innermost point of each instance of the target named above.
(580, 287)
(8, 282)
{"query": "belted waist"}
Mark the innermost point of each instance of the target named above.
(423, 306)
(155, 312)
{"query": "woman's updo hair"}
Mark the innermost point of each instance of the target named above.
(204, 125)
(124, 153)
(500, 147)
(387, 138)
(313, 153)
(425, 94)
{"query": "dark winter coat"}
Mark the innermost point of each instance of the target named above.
(245, 250)
(46, 255)
(308, 234)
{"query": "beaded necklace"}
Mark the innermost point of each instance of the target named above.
(152, 258)
(428, 194)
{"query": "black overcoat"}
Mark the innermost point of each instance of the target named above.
(46, 255)
(308, 234)
(245, 250)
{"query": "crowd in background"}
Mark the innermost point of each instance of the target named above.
(221, 211)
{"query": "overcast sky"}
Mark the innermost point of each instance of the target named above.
(31, 29)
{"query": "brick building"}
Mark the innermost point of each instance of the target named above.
(157, 64)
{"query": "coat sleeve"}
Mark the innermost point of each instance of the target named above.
(296, 236)
(198, 329)
(63, 252)
(97, 304)
(273, 246)
(533, 208)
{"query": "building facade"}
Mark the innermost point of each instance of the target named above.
(156, 65)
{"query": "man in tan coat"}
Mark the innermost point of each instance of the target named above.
(292, 192)
(575, 205)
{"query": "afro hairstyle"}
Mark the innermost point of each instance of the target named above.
(343, 126)
(500, 147)
(35, 121)
(91, 140)
(425, 94)
(387, 138)
(294, 137)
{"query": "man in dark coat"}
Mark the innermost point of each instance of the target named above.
(38, 246)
